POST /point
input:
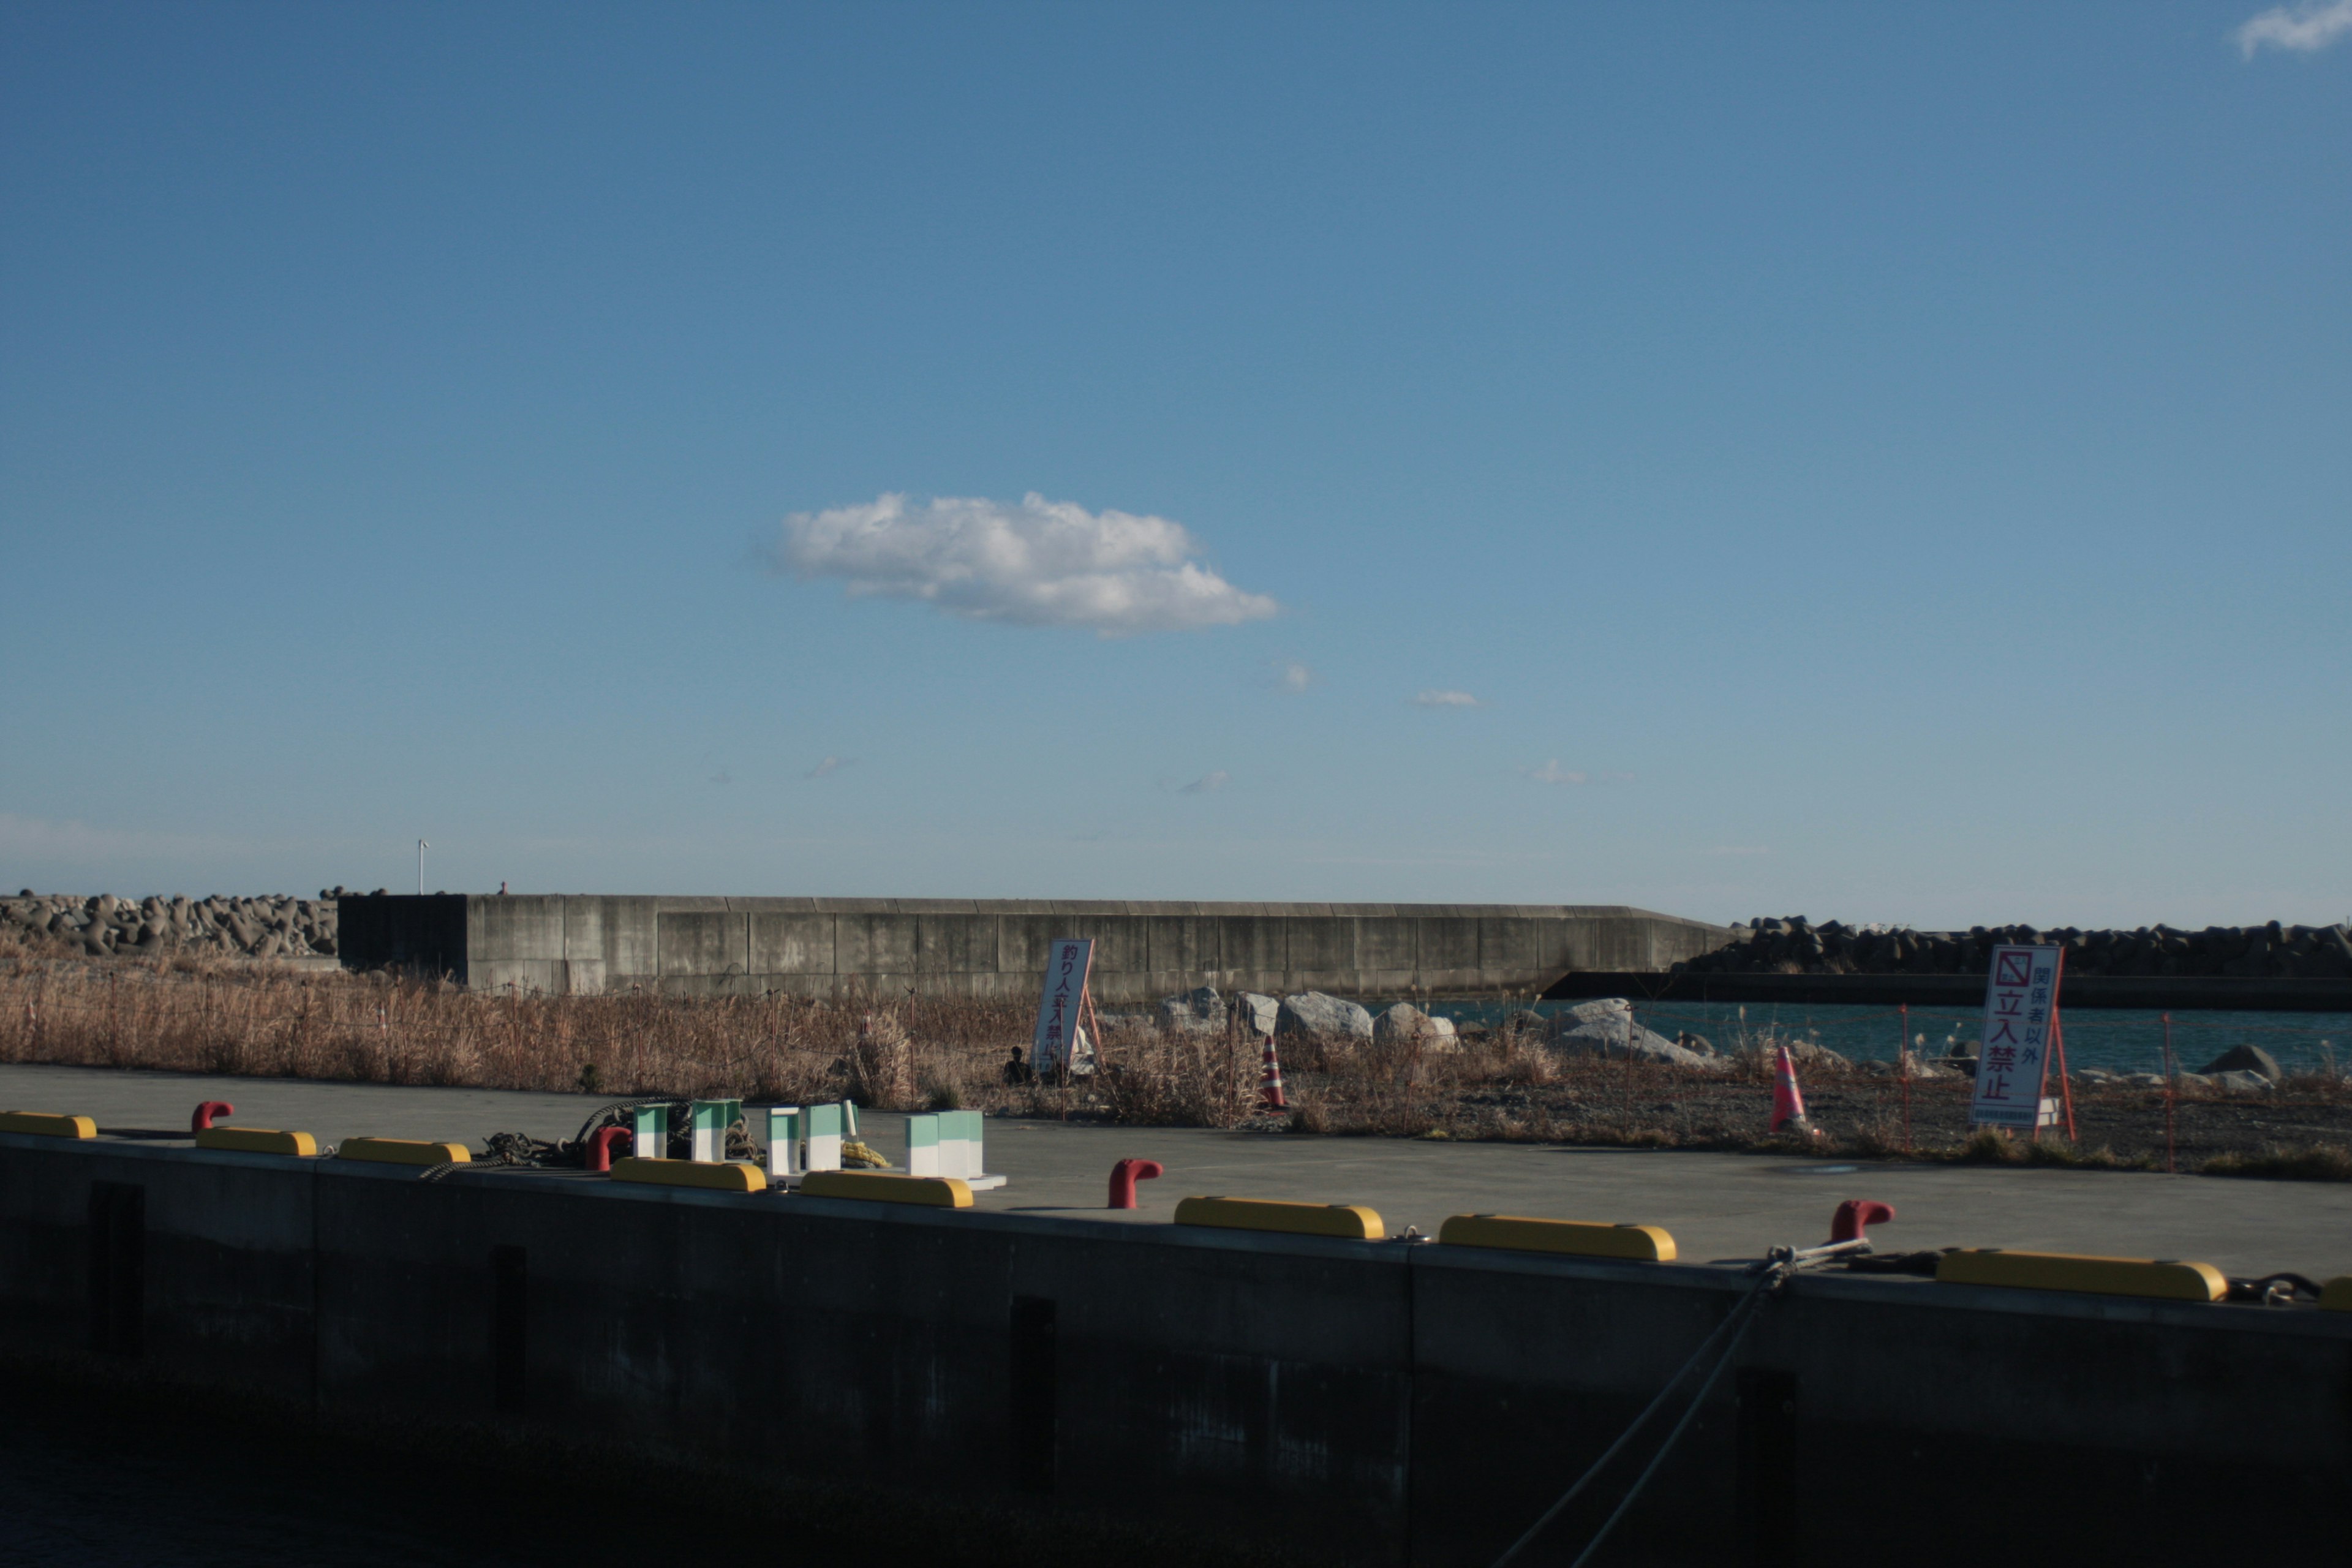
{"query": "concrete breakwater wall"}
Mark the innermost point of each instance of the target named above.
(588, 944)
(1365, 1402)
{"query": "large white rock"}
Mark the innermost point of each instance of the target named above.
(1405, 1023)
(1314, 1013)
(1200, 1010)
(1258, 1011)
(1606, 1029)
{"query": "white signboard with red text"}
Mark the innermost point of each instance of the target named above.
(1061, 1043)
(2013, 1062)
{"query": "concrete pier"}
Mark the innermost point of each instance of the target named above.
(1362, 1402)
(582, 944)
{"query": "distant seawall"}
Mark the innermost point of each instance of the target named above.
(587, 944)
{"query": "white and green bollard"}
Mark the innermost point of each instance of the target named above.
(926, 1152)
(960, 1150)
(650, 1133)
(711, 1118)
(786, 1126)
(823, 1138)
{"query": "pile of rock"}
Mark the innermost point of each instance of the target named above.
(1605, 1027)
(1795, 945)
(1204, 1011)
(279, 926)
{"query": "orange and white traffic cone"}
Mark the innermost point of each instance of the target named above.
(1269, 1083)
(1787, 1101)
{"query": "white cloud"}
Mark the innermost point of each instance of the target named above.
(1551, 772)
(1294, 677)
(1208, 783)
(830, 766)
(2306, 28)
(1445, 699)
(1034, 564)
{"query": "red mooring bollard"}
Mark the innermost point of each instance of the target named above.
(1855, 1216)
(203, 1119)
(600, 1148)
(1125, 1175)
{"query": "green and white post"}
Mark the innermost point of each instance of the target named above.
(650, 1129)
(711, 1120)
(786, 1126)
(825, 1138)
(923, 1147)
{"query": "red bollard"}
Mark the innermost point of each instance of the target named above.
(600, 1148)
(1123, 1177)
(203, 1119)
(1856, 1214)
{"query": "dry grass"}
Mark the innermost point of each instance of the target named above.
(221, 1018)
(2297, 1162)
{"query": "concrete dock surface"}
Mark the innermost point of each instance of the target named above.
(1719, 1206)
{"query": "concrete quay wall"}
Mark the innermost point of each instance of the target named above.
(1363, 1402)
(580, 944)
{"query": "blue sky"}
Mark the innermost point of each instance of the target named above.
(1878, 462)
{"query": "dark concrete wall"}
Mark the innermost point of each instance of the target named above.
(1367, 1402)
(586, 944)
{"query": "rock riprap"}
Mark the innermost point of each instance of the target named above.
(1794, 946)
(102, 926)
(1314, 1013)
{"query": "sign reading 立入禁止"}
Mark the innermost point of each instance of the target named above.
(1061, 1044)
(2021, 1003)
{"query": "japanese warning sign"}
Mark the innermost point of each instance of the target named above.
(2021, 1001)
(1061, 1043)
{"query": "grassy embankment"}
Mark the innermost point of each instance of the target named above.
(905, 1053)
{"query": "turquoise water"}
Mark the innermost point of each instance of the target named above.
(2117, 1039)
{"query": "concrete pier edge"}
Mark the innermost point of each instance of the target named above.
(1371, 1402)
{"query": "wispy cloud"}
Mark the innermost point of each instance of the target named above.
(1033, 563)
(1551, 772)
(1445, 699)
(1293, 676)
(830, 766)
(2305, 28)
(1208, 783)
(33, 837)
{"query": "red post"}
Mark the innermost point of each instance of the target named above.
(2172, 1093)
(600, 1147)
(1903, 1061)
(1123, 1177)
(203, 1119)
(1855, 1217)
(1629, 1027)
(2065, 1083)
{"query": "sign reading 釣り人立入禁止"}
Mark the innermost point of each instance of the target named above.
(2012, 1063)
(1061, 1043)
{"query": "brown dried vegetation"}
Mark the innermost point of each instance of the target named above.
(906, 1053)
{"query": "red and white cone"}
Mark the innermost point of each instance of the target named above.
(1269, 1083)
(1787, 1101)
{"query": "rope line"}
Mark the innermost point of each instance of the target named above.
(1770, 1275)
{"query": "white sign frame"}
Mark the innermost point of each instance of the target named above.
(1060, 1042)
(2013, 1056)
